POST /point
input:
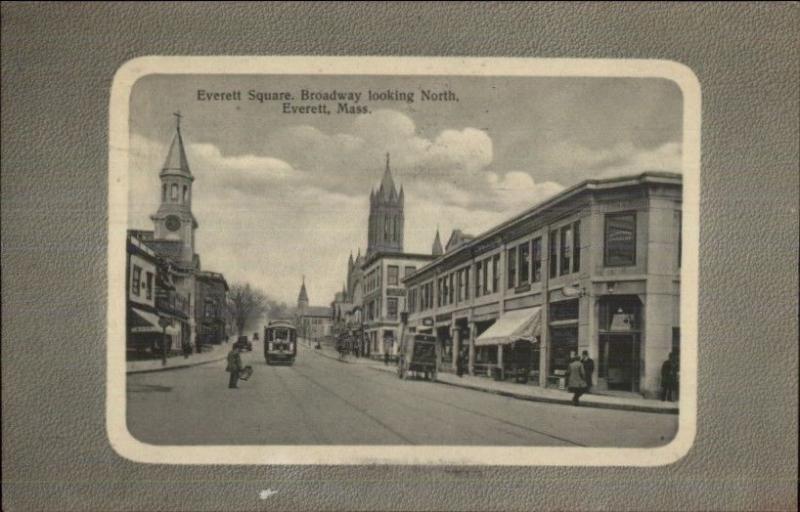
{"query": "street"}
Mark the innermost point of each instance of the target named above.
(320, 401)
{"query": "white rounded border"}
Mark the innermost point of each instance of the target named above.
(119, 114)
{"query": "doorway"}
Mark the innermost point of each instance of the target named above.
(619, 361)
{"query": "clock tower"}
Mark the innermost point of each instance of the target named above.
(174, 221)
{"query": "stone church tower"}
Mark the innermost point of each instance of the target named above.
(302, 297)
(385, 229)
(174, 220)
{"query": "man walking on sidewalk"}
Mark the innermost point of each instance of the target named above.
(576, 379)
(234, 367)
(588, 369)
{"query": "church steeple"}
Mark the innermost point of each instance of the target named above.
(302, 298)
(174, 220)
(386, 219)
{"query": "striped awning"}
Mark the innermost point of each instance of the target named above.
(521, 324)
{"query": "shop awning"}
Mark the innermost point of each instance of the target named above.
(521, 324)
(145, 322)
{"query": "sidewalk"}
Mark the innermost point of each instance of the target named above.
(154, 365)
(521, 391)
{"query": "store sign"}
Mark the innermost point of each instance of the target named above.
(621, 322)
(427, 322)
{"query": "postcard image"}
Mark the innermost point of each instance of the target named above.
(369, 260)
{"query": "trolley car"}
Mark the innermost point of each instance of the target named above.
(280, 342)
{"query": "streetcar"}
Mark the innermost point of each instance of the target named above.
(280, 342)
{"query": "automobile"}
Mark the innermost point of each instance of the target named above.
(243, 343)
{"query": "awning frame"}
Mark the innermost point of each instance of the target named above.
(521, 324)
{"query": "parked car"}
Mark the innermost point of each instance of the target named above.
(244, 343)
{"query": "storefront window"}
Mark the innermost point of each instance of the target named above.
(563, 343)
(620, 240)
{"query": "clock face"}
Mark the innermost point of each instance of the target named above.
(173, 223)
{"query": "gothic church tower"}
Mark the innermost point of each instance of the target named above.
(385, 229)
(174, 220)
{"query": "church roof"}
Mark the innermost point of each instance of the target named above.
(303, 297)
(176, 157)
(437, 250)
(387, 190)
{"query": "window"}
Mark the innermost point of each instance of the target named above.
(679, 223)
(391, 308)
(553, 241)
(164, 193)
(478, 278)
(136, 279)
(524, 263)
(412, 300)
(209, 309)
(486, 269)
(149, 279)
(185, 194)
(620, 240)
(576, 246)
(536, 258)
(409, 271)
(386, 227)
(459, 285)
(444, 291)
(466, 283)
(393, 274)
(439, 292)
(174, 191)
(566, 250)
(451, 288)
(512, 268)
(496, 273)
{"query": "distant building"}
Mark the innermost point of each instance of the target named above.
(312, 322)
(210, 304)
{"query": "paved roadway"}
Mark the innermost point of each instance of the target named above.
(322, 401)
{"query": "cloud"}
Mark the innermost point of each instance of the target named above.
(298, 204)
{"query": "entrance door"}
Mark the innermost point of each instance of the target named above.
(620, 354)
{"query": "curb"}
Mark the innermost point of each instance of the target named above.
(559, 401)
(174, 367)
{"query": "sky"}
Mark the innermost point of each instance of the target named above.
(279, 196)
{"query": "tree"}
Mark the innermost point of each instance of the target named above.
(245, 305)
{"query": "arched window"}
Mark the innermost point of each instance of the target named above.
(164, 193)
(386, 227)
(174, 192)
(185, 194)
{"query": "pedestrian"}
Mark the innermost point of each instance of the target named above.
(668, 378)
(385, 357)
(234, 367)
(588, 369)
(576, 379)
(187, 349)
(460, 363)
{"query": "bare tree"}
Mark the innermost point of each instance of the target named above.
(245, 305)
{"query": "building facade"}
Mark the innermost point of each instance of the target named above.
(594, 268)
(313, 322)
(384, 298)
(211, 298)
(156, 312)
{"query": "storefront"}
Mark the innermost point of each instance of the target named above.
(510, 340)
(563, 326)
(620, 353)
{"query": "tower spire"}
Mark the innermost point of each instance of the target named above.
(178, 117)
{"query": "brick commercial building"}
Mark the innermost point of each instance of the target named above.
(595, 268)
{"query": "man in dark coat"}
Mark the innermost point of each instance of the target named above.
(576, 379)
(460, 363)
(668, 379)
(588, 369)
(234, 367)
